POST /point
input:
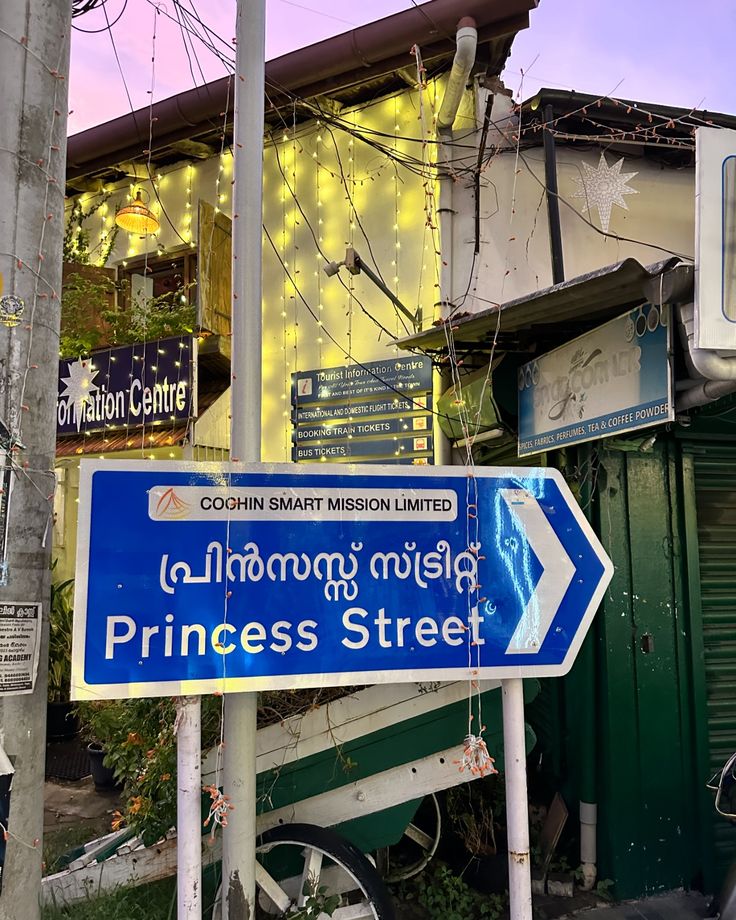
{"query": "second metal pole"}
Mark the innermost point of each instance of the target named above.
(239, 838)
(517, 805)
(189, 808)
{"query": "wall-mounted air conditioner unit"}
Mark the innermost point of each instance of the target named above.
(715, 239)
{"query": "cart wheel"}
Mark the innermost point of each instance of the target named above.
(299, 861)
(416, 848)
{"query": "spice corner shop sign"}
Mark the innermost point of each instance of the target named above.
(200, 577)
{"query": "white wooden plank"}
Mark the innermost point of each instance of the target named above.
(141, 866)
(309, 881)
(94, 847)
(336, 879)
(273, 890)
(375, 793)
(346, 719)
(361, 911)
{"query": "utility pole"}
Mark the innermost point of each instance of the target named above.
(34, 65)
(239, 837)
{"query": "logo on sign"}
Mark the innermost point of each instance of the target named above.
(170, 507)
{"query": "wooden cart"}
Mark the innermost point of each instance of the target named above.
(334, 784)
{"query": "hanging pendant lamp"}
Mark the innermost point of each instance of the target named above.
(137, 217)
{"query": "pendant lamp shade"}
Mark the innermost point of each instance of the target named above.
(136, 217)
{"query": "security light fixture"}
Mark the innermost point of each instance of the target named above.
(355, 265)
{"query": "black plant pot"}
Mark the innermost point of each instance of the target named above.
(102, 776)
(61, 721)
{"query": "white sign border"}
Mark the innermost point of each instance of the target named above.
(81, 690)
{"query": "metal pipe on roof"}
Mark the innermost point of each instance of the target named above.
(467, 44)
(553, 199)
(718, 372)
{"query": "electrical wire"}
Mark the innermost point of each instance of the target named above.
(316, 239)
(345, 351)
(80, 7)
(108, 26)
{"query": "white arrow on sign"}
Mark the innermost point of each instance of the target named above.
(557, 573)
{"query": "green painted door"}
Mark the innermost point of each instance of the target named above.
(714, 479)
(646, 816)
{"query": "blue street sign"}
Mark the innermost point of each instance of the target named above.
(200, 577)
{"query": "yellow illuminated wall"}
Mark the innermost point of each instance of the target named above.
(358, 183)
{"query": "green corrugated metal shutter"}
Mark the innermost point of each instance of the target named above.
(715, 496)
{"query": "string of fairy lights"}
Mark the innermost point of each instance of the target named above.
(353, 183)
(405, 166)
(408, 165)
(19, 317)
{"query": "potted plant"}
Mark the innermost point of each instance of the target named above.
(61, 721)
(101, 725)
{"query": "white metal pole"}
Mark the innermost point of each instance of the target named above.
(239, 838)
(517, 806)
(189, 808)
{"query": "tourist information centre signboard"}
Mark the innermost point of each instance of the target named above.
(200, 577)
(374, 412)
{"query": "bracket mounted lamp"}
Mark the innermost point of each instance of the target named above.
(355, 265)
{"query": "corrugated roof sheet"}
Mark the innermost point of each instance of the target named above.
(102, 442)
(594, 297)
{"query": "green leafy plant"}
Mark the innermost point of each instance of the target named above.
(88, 320)
(603, 889)
(61, 618)
(140, 748)
(150, 318)
(318, 903)
(76, 241)
(446, 896)
(138, 738)
(84, 300)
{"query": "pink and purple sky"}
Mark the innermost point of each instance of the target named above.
(674, 52)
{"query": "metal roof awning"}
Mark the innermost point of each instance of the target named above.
(587, 300)
(363, 62)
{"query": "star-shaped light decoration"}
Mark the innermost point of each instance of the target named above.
(604, 187)
(79, 386)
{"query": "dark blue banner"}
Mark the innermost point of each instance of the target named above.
(353, 411)
(390, 377)
(353, 451)
(363, 428)
(126, 387)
